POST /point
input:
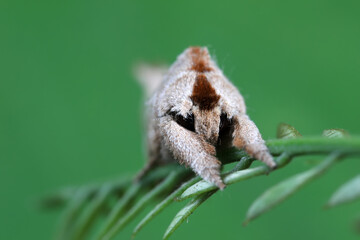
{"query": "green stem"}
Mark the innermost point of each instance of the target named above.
(315, 145)
(300, 146)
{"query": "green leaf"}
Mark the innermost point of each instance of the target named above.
(245, 162)
(286, 131)
(348, 192)
(120, 208)
(357, 225)
(90, 213)
(162, 205)
(203, 186)
(284, 189)
(122, 222)
(96, 204)
(72, 212)
(185, 213)
(78, 206)
(58, 199)
(335, 133)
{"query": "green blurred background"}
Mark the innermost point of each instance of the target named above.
(70, 109)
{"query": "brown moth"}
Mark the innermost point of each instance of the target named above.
(192, 110)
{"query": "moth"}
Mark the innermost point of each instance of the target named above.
(192, 110)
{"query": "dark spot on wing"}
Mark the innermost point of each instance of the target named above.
(225, 130)
(187, 123)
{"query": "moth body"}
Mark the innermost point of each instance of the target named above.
(194, 108)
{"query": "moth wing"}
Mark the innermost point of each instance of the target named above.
(150, 76)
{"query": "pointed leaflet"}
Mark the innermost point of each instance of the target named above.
(58, 199)
(96, 204)
(119, 208)
(335, 133)
(167, 201)
(72, 212)
(245, 162)
(348, 192)
(286, 131)
(91, 212)
(65, 195)
(203, 186)
(284, 189)
(185, 213)
(122, 222)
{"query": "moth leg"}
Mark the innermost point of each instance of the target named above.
(247, 136)
(190, 149)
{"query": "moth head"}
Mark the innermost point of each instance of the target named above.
(205, 113)
(206, 109)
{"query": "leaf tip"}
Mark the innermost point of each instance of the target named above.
(166, 236)
(326, 206)
(335, 133)
(246, 222)
(286, 131)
